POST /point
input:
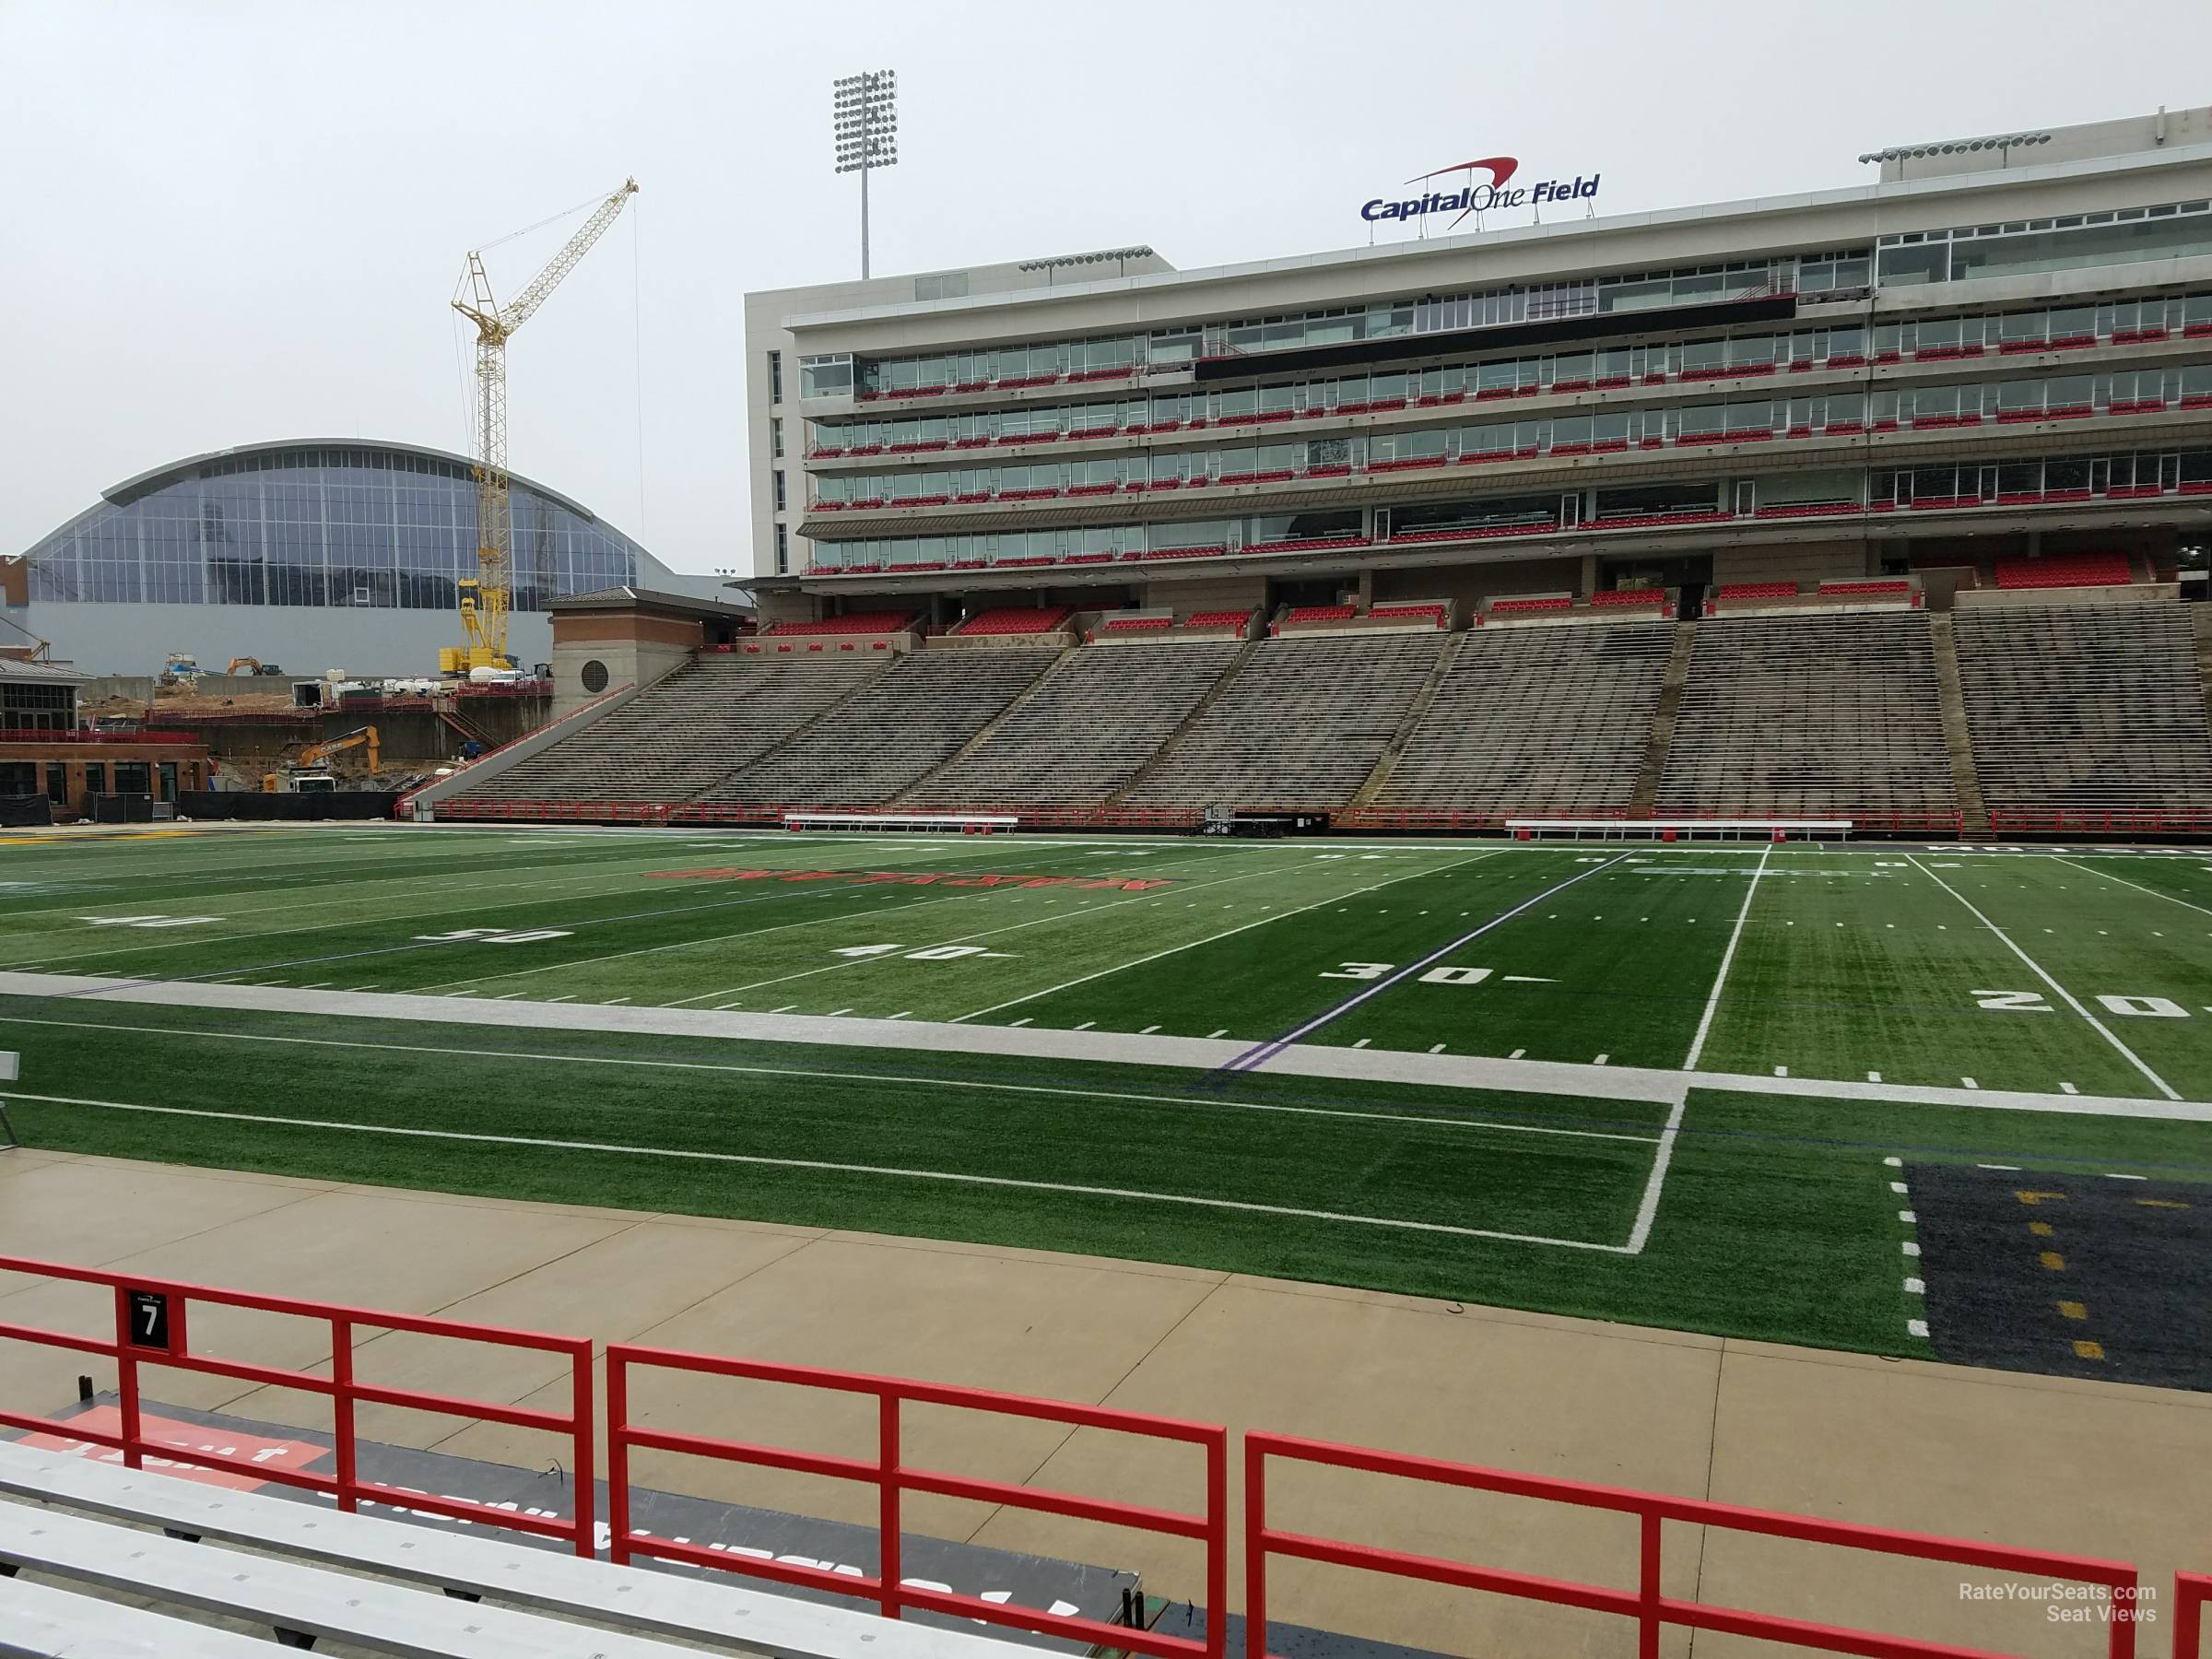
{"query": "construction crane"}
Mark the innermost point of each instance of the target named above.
(485, 598)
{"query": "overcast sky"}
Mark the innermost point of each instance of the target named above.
(231, 220)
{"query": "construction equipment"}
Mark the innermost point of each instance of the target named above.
(304, 774)
(485, 599)
(252, 665)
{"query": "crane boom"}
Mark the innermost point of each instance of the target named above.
(485, 600)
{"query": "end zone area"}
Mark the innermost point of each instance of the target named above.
(1723, 1090)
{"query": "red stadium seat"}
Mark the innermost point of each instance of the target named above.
(853, 622)
(2066, 571)
(1015, 619)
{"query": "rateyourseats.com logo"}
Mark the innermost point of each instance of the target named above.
(1497, 191)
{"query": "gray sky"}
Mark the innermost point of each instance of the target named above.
(232, 220)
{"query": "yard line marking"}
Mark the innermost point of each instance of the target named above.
(1080, 911)
(1211, 938)
(1258, 1055)
(2139, 887)
(1222, 1032)
(1720, 980)
(1196, 1056)
(890, 1171)
(649, 1062)
(2036, 968)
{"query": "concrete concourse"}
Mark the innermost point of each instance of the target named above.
(2029, 1461)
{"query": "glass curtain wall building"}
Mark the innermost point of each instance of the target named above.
(333, 549)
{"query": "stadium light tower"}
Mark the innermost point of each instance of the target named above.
(865, 116)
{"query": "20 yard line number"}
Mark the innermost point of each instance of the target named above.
(2035, 1002)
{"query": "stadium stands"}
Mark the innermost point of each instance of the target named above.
(1818, 713)
(1310, 616)
(1531, 603)
(853, 622)
(1087, 729)
(2085, 706)
(1536, 720)
(914, 717)
(2065, 570)
(1300, 726)
(685, 731)
(1218, 619)
(1016, 620)
(1160, 623)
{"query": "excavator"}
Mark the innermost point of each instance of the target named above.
(306, 775)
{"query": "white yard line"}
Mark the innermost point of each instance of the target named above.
(1179, 1101)
(2092, 870)
(1045, 1042)
(892, 1171)
(1720, 978)
(1078, 913)
(2036, 968)
(1210, 938)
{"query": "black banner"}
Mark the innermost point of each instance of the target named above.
(256, 807)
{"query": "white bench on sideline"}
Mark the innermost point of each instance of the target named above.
(38, 1621)
(1795, 829)
(947, 823)
(469, 1565)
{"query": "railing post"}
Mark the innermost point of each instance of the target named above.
(617, 1459)
(1256, 1550)
(1647, 1588)
(2188, 1616)
(126, 1382)
(582, 1420)
(890, 1566)
(341, 1411)
(1217, 1546)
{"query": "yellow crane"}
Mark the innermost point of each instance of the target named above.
(485, 600)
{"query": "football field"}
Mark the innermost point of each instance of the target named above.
(1815, 1094)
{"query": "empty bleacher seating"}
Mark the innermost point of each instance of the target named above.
(1529, 604)
(853, 622)
(1016, 620)
(913, 718)
(1086, 730)
(1757, 590)
(1536, 720)
(1160, 624)
(2065, 570)
(1218, 619)
(1630, 599)
(677, 737)
(1300, 726)
(1311, 614)
(2095, 707)
(1819, 714)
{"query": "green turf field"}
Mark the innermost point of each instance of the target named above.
(1682, 1086)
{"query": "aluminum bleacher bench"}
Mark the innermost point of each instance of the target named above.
(38, 1621)
(304, 1594)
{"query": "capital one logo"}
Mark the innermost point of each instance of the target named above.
(1497, 191)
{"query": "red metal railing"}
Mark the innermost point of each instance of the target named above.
(2191, 1595)
(132, 1346)
(2111, 820)
(1646, 1604)
(892, 1478)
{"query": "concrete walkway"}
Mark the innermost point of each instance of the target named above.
(2037, 1461)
